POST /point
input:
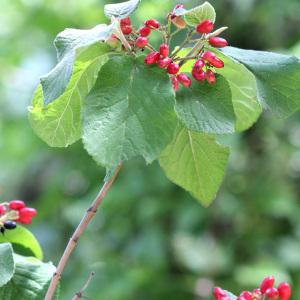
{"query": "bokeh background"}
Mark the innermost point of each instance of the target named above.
(151, 240)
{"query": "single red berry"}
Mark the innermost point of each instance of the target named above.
(2, 209)
(267, 283)
(164, 62)
(256, 294)
(141, 42)
(125, 22)
(184, 80)
(16, 204)
(199, 64)
(284, 291)
(145, 31)
(217, 63)
(241, 298)
(173, 68)
(247, 295)
(152, 58)
(206, 26)
(210, 77)
(219, 293)
(272, 293)
(152, 23)
(199, 75)
(208, 56)
(126, 30)
(27, 212)
(24, 220)
(218, 42)
(175, 83)
(164, 50)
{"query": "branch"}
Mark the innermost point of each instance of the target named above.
(77, 234)
(79, 294)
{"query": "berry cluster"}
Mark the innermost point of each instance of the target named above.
(13, 212)
(266, 291)
(205, 61)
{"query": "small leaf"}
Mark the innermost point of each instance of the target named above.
(277, 77)
(207, 108)
(66, 43)
(121, 10)
(7, 265)
(200, 13)
(58, 123)
(23, 242)
(196, 162)
(129, 112)
(30, 281)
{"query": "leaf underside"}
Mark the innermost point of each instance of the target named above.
(7, 265)
(121, 10)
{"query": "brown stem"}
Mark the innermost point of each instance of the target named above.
(77, 234)
(79, 294)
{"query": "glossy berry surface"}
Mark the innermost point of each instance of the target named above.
(152, 58)
(152, 24)
(267, 283)
(173, 68)
(205, 26)
(218, 42)
(126, 30)
(141, 42)
(210, 77)
(175, 83)
(125, 22)
(184, 80)
(272, 293)
(145, 31)
(284, 291)
(199, 75)
(10, 225)
(164, 62)
(164, 50)
(2, 209)
(16, 204)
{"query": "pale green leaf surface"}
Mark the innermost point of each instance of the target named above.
(121, 10)
(277, 77)
(207, 108)
(196, 162)
(58, 123)
(30, 281)
(129, 112)
(7, 264)
(67, 43)
(200, 13)
(23, 242)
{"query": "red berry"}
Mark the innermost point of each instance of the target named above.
(164, 50)
(173, 68)
(284, 291)
(164, 62)
(152, 23)
(208, 56)
(267, 283)
(184, 80)
(141, 42)
(210, 76)
(199, 64)
(175, 83)
(212, 59)
(218, 42)
(219, 293)
(2, 209)
(247, 295)
(27, 212)
(125, 22)
(145, 31)
(16, 204)
(199, 75)
(126, 30)
(24, 220)
(272, 293)
(152, 58)
(206, 26)
(241, 298)
(256, 294)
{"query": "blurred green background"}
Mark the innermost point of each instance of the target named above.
(151, 240)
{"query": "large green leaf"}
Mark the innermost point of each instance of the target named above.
(23, 242)
(207, 108)
(30, 281)
(67, 43)
(196, 162)
(244, 92)
(7, 265)
(129, 112)
(200, 13)
(277, 77)
(58, 123)
(121, 10)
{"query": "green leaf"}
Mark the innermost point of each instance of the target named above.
(30, 281)
(207, 108)
(23, 242)
(67, 43)
(242, 83)
(7, 265)
(196, 162)
(121, 10)
(129, 112)
(232, 297)
(200, 13)
(58, 124)
(277, 77)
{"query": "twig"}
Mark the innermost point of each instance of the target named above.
(77, 234)
(186, 41)
(79, 294)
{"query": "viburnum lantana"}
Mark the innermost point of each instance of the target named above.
(13, 212)
(266, 291)
(205, 61)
